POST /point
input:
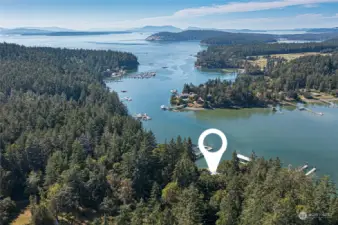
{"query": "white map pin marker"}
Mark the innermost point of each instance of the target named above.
(212, 158)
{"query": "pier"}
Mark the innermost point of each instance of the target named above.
(198, 152)
(328, 102)
(244, 160)
(141, 116)
(301, 108)
(311, 172)
(303, 167)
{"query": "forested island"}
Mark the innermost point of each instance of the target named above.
(215, 37)
(212, 36)
(71, 153)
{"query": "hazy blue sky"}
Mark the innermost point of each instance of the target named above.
(121, 14)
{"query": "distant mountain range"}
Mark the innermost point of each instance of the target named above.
(157, 29)
(54, 31)
(58, 31)
(228, 30)
(37, 30)
(323, 30)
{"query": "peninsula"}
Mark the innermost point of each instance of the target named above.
(304, 78)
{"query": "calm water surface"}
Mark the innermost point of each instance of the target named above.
(295, 136)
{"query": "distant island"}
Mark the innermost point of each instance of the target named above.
(212, 36)
(236, 56)
(218, 37)
(321, 30)
(55, 31)
(76, 33)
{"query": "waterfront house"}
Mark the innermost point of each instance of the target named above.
(200, 100)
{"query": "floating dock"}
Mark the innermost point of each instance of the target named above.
(144, 75)
(244, 160)
(304, 167)
(302, 108)
(332, 105)
(311, 172)
(141, 116)
(198, 152)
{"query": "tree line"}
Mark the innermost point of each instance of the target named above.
(69, 147)
(234, 56)
(279, 79)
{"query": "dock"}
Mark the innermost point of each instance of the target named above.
(141, 116)
(129, 99)
(303, 167)
(331, 104)
(244, 160)
(302, 108)
(311, 172)
(198, 152)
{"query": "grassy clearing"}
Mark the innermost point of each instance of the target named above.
(261, 61)
(24, 218)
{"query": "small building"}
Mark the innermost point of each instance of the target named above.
(200, 100)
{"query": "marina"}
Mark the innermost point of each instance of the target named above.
(129, 99)
(118, 73)
(143, 116)
(143, 75)
(244, 160)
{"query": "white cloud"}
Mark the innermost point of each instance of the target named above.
(245, 7)
(187, 17)
(200, 17)
(311, 5)
(273, 23)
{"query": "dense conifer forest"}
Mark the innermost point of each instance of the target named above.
(70, 150)
(218, 37)
(212, 37)
(278, 80)
(233, 56)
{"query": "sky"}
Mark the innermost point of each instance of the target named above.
(125, 14)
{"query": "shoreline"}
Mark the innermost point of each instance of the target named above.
(194, 109)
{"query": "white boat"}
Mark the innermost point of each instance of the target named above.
(243, 157)
(139, 116)
(163, 107)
